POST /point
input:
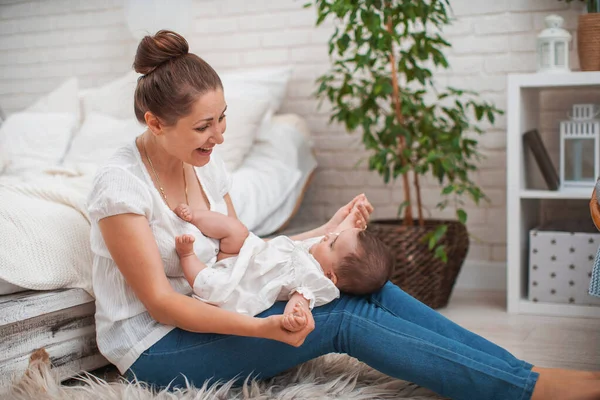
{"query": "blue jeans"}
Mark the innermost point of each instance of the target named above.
(389, 330)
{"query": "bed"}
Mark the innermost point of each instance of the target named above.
(46, 299)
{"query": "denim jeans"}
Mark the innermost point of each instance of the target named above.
(389, 330)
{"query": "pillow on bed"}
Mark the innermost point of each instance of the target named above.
(244, 117)
(250, 82)
(63, 99)
(99, 137)
(4, 161)
(114, 99)
(36, 140)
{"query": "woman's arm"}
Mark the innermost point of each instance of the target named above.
(133, 247)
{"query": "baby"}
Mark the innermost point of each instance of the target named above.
(350, 259)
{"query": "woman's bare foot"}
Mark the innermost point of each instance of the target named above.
(548, 387)
(562, 374)
(184, 245)
(295, 320)
(184, 212)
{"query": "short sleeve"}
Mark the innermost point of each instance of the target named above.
(222, 177)
(118, 191)
(311, 282)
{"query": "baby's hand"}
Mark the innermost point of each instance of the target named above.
(295, 320)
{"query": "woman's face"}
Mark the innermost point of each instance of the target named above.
(194, 136)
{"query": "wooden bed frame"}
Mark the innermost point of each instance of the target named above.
(61, 321)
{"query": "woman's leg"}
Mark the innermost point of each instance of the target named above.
(214, 357)
(399, 303)
(351, 325)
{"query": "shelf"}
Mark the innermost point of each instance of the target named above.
(558, 79)
(522, 208)
(558, 310)
(580, 193)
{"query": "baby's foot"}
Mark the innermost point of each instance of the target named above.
(184, 212)
(184, 245)
(353, 220)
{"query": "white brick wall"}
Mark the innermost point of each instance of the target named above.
(44, 42)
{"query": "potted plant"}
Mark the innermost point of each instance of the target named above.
(588, 36)
(381, 83)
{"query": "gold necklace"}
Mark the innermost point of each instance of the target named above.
(160, 186)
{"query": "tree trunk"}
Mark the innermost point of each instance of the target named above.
(408, 218)
(419, 203)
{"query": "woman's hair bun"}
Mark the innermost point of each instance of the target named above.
(156, 50)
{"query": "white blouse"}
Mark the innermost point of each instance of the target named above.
(124, 328)
(263, 273)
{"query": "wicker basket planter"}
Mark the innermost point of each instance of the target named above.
(588, 42)
(417, 272)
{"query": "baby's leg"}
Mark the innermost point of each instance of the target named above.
(190, 263)
(230, 231)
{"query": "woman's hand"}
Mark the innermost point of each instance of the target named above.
(272, 328)
(294, 321)
(364, 206)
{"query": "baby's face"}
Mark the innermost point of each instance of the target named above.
(332, 249)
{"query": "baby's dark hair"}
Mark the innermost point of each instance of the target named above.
(367, 270)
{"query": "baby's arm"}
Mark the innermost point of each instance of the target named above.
(190, 263)
(295, 315)
(229, 230)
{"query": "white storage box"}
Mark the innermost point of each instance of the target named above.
(561, 257)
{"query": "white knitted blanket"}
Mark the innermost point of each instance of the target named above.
(45, 230)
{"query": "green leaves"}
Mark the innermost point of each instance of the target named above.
(461, 215)
(437, 128)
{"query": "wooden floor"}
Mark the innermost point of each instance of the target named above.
(572, 343)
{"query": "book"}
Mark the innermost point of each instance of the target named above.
(533, 140)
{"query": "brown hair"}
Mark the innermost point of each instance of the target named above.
(173, 78)
(367, 270)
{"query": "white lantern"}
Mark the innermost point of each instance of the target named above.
(580, 147)
(553, 46)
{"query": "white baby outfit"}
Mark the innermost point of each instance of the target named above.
(263, 273)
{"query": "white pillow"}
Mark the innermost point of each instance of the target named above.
(261, 185)
(99, 137)
(114, 99)
(4, 160)
(244, 117)
(63, 99)
(250, 82)
(36, 140)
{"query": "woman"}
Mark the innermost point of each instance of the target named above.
(149, 326)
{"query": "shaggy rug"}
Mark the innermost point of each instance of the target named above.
(333, 376)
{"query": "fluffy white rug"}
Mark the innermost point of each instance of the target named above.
(333, 376)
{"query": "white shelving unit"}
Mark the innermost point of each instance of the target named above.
(523, 203)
